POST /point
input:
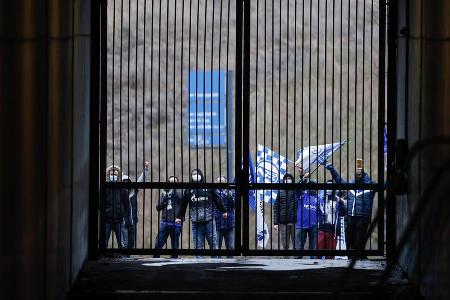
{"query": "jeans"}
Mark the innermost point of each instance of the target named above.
(301, 235)
(166, 230)
(202, 231)
(226, 235)
(118, 231)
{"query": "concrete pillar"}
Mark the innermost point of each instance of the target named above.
(424, 112)
(44, 115)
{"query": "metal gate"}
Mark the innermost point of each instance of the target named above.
(247, 91)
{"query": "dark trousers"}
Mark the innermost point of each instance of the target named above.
(301, 236)
(166, 230)
(131, 231)
(356, 230)
(287, 234)
(227, 236)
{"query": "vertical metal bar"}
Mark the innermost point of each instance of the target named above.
(238, 125)
(348, 92)
(143, 133)
(325, 83)
(151, 131)
(174, 87)
(220, 81)
(391, 226)
(196, 105)
(317, 102)
(159, 107)
(98, 113)
(167, 92)
(279, 115)
(246, 122)
(229, 123)
(211, 92)
(189, 111)
(256, 94)
(136, 92)
(265, 106)
(340, 85)
(229, 104)
(287, 114)
(295, 96)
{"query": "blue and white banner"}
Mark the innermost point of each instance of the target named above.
(270, 168)
(251, 179)
(309, 157)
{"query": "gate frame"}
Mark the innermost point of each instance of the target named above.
(98, 125)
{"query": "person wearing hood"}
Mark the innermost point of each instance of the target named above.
(359, 204)
(285, 214)
(131, 218)
(201, 204)
(113, 210)
(225, 226)
(169, 204)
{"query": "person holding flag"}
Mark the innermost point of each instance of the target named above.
(307, 213)
(360, 202)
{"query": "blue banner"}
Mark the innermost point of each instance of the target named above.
(208, 92)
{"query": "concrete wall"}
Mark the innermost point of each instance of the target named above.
(424, 112)
(44, 115)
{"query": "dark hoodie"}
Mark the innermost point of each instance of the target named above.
(201, 203)
(115, 205)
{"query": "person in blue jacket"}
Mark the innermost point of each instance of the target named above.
(308, 214)
(359, 204)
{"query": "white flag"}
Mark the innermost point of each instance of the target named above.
(308, 157)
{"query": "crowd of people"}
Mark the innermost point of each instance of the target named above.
(298, 215)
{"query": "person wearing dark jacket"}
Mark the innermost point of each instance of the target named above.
(113, 211)
(359, 205)
(285, 214)
(169, 205)
(132, 216)
(201, 205)
(225, 226)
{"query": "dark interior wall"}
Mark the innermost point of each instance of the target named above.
(44, 115)
(423, 92)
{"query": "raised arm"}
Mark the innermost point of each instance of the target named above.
(335, 174)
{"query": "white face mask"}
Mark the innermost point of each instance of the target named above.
(113, 178)
(196, 177)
